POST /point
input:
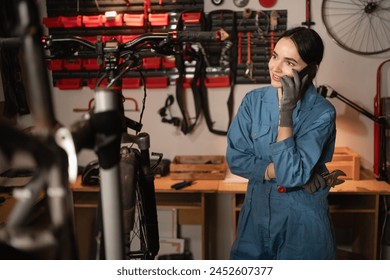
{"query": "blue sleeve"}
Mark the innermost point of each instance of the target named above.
(295, 157)
(240, 154)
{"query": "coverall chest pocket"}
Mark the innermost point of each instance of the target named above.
(262, 137)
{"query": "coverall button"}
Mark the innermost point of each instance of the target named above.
(281, 189)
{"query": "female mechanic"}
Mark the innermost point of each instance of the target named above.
(281, 137)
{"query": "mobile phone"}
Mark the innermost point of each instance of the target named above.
(310, 69)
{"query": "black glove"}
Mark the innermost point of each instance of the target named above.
(292, 93)
(315, 183)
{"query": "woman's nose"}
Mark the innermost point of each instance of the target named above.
(276, 67)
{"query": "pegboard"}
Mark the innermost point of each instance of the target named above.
(242, 59)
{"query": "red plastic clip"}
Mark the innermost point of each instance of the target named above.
(134, 20)
(151, 62)
(69, 22)
(73, 83)
(191, 18)
(93, 21)
(187, 82)
(217, 82)
(91, 83)
(131, 83)
(55, 64)
(158, 19)
(156, 82)
(169, 62)
(281, 189)
(52, 22)
(72, 64)
(90, 64)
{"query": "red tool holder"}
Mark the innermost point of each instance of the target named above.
(156, 82)
(134, 20)
(115, 22)
(93, 21)
(131, 83)
(168, 62)
(378, 113)
(53, 22)
(217, 82)
(151, 62)
(158, 19)
(91, 83)
(90, 64)
(72, 22)
(187, 82)
(192, 18)
(55, 64)
(68, 84)
(73, 64)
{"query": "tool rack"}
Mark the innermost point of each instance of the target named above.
(243, 57)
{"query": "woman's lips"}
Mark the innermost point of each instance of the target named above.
(275, 78)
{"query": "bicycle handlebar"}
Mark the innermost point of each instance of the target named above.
(10, 42)
(164, 38)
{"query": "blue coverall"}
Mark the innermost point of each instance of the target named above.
(273, 225)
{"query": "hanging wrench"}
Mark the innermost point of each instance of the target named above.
(249, 64)
(332, 178)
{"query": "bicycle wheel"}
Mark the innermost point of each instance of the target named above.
(361, 27)
(136, 245)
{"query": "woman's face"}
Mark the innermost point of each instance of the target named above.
(285, 57)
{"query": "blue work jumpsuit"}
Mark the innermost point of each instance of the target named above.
(273, 225)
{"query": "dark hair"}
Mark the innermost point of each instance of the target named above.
(309, 44)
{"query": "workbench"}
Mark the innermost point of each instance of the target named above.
(354, 207)
(190, 203)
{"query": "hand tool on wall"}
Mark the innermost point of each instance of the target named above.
(273, 19)
(249, 64)
(308, 21)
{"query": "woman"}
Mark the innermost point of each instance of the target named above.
(281, 137)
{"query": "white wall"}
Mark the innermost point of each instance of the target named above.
(353, 76)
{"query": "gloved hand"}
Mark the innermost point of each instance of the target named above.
(292, 93)
(315, 183)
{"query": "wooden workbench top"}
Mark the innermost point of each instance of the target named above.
(349, 186)
(162, 184)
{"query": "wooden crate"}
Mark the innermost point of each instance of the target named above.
(346, 160)
(198, 167)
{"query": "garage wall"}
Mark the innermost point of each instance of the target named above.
(352, 75)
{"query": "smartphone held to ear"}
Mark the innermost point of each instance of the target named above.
(310, 70)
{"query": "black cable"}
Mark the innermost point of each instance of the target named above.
(143, 99)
